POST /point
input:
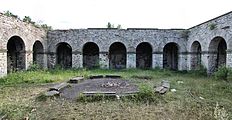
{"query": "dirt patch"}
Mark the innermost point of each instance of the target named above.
(102, 85)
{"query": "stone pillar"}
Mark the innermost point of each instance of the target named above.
(29, 59)
(205, 59)
(77, 60)
(229, 58)
(131, 60)
(182, 61)
(104, 60)
(45, 60)
(157, 60)
(3, 63)
(51, 60)
(189, 57)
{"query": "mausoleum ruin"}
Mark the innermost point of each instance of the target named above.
(208, 44)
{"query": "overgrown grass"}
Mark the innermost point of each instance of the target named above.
(197, 97)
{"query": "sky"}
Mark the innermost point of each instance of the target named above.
(76, 14)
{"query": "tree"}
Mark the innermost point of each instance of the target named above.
(109, 25)
(119, 26)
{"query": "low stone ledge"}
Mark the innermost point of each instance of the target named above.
(76, 80)
(113, 76)
(96, 76)
(59, 87)
(52, 93)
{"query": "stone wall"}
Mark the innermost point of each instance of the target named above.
(130, 38)
(10, 27)
(214, 45)
(205, 33)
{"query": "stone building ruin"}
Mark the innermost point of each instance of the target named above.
(22, 44)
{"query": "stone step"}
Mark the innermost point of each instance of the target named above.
(96, 76)
(52, 93)
(113, 76)
(59, 87)
(76, 80)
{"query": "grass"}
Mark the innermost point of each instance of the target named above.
(197, 97)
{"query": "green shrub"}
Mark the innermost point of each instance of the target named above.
(222, 73)
(200, 71)
(145, 94)
(212, 26)
(34, 67)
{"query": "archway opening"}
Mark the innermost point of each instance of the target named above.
(64, 55)
(144, 55)
(217, 51)
(170, 56)
(90, 55)
(16, 58)
(195, 55)
(117, 56)
(38, 55)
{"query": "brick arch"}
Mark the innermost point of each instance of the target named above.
(16, 57)
(217, 53)
(171, 56)
(64, 55)
(195, 53)
(38, 53)
(117, 55)
(90, 51)
(144, 55)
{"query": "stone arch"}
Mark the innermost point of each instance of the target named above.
(38, 53)
(16, 58)
(195, 55)
(64, 55)
(117, 55)
(170, 56)
(217, 53)
(90, 55)
(144, 55)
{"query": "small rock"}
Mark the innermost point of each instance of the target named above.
(180, 82)
(52, 93)
(173, 90)
(202, 98)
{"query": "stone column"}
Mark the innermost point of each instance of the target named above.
(182, 61)
(3, 63)
(157, 60)
(131, 60)
(45, 60)
(29, 59)
(229, 58)
(205, 59)
(51, 59)
(77, 59)
(104, 60)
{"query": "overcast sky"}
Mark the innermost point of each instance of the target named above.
(65, 14)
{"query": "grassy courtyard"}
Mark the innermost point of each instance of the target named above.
(196, 97)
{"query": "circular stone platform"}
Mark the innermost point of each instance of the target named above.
(101, 85)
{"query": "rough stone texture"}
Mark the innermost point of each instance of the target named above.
(10, 27)
(206, 34)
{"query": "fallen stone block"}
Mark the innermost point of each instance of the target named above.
(59, 87)
(96, 76)
(163, 87)
(165, 84)
(52, 93)
(76, 80)
(113, 76)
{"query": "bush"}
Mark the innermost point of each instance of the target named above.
(34, 67)
(145, 94)
(222, 73)
(200, 71)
